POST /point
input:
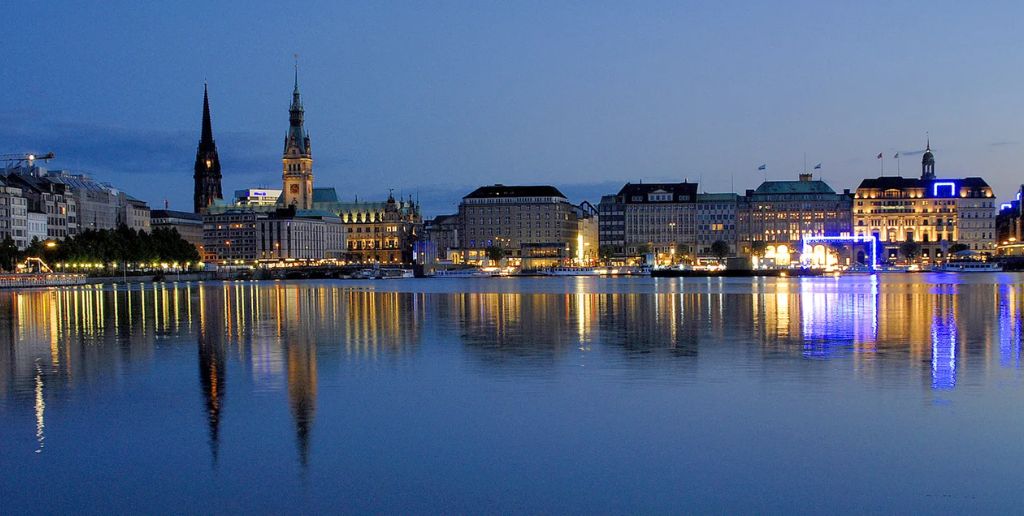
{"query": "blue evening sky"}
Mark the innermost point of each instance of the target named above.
(436, 98)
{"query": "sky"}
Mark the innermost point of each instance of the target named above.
(435, 98)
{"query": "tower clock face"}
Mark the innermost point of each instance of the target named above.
(294, 189)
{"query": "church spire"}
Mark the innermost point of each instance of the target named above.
(206, 138)
(207, 168)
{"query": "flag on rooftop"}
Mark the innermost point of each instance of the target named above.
(763, 166)
(879, 155)
(817, 167)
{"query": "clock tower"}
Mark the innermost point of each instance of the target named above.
(297, 172)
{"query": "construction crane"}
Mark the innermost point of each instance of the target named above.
(16, 160)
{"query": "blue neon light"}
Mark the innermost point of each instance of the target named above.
(809, 241)
(1005, 206)
(950, 184)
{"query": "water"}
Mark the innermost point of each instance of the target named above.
(853, 394)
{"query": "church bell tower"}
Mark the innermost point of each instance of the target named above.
(207, 168)
(297, 173)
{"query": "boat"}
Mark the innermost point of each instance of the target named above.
(383, 273)
(573, 271)
(969, 266)
(469, 272)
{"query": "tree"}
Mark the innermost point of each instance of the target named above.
(956, 248)
(606, 252)
(495, 253)
(8, 253)
(910, 249)
(758, 248)
(720, 249)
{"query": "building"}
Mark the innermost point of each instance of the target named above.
(717, 215)
(1010, 227)
(135, 214)
(14, 216)
(376, 232)
(934, 213)
(297, 161)
(188, 225)
(652, 219)
(207, 175)
(257, 197)
(586, 247)
(240, 236)
(35, 227)
(780, 214)
(611, 227)
(49, 198)
(443, 232)
(97, 205)
(513, 218)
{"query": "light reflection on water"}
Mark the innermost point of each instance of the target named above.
(400, 357)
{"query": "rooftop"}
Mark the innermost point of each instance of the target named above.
(499, 190)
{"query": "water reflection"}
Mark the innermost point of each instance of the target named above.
(276, 336)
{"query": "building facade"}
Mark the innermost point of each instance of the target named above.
(513, 218)
(611, 227)
(781, 214)
(657, 219)
(443, 232)
(717, 215)
(14, 216)
(934, 213)
(375, 232)
(207, 175)
(135, 214)
(188, 225)
(586, 246)
(240, 236)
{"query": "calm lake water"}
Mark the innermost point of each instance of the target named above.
(853, 394)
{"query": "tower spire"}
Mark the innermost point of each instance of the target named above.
(206, 138)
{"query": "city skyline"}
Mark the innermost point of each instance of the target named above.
(440, 99)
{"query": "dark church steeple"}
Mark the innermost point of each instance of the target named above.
(207, 169)
(928, 162)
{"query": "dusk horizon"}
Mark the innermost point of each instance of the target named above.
(447, 97)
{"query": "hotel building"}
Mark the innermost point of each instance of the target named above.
(934, 213)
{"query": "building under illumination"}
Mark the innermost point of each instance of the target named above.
(650, 218)
(935, 213)
(523, 221)
(243, 236)
(781, 214)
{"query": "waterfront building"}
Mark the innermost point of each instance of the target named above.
(443, 232)
(376, 232)
(297, 160)
(35, 227)
(135, 214)
(650, 219)
(717, 215)
(241, 236)
(14, 215)
(611, 227)
(1010, 227)
(188, 225)
(934, 213)
(586, 246)
(780, 214)
(207, 176)
(49, 198)
(512, 217)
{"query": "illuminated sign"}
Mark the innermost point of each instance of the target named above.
(944, 184)
(810, 241)
(1005, 206)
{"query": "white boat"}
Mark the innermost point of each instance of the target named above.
(573, 271)
(465, 273)
(969, 266)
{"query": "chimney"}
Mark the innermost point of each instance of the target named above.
(806, 177)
